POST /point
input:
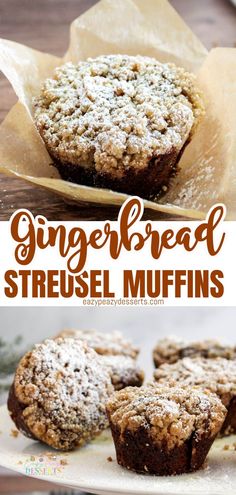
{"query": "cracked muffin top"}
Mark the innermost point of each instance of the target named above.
(217, 375)
(171, 349)
(170, 415)
(62, 389)
(112, 343)
(116, 112)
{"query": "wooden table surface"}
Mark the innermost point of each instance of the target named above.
(43, 25)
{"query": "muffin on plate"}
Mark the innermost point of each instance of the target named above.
(171, 349)
(59, 394)
(118, 121)
(162, 430)
(116, 353)
(216, 375)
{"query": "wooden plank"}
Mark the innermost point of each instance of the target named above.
(22, 484)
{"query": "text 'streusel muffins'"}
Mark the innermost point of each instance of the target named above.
(118, 121)
(171, 349)
(59, 394)
(163, 430)
(216, 375)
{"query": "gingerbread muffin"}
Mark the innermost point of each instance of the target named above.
(119, 122)
(216, 375)
(171, 349)
(104, 343)
(162, 430)
(116, 354)
(59, 394)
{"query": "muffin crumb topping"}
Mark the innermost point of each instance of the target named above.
(116, 112)
(62, 389)
(171, 349)
(216, 375)
(123, 370)
(112, 343)
(170, 415)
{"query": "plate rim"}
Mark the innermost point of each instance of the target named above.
(101, 489)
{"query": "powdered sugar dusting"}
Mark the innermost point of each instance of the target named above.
(123, 371)
(63, 388)
(116, 112)
(116, 353)
(112, 343)
(217, 375)
(171, 415)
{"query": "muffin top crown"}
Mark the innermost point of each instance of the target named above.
(62, 364)
(110, 344)
(217, 375)
(171, 349)
(62, 388)
(170, 414)
(116, 111)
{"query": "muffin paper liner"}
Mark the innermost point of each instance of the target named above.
(208, 165)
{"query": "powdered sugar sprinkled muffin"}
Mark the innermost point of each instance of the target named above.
(217, 375)
(118, 121)
(164, 430)
(59, 394)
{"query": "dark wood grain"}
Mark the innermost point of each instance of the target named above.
(43, 25)
(20, 484)
(213, 21)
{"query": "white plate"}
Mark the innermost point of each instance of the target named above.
(88, 469)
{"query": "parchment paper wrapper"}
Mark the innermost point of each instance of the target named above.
(152, 28)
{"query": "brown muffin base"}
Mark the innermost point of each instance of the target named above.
(146, 183)
(137, 452)
(229, 425)
(16, 412)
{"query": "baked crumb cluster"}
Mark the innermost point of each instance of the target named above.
(62, 388)
(170, 415)
(123, 371)
(171, 349)
(216, 375)
(112, 343)
(116, 112)
(168, 350)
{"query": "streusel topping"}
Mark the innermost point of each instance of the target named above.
(171, 349)
(112, 343)
(170, 415)
(123, 370)
(217, 375)
(116, 112)
(63, 387)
